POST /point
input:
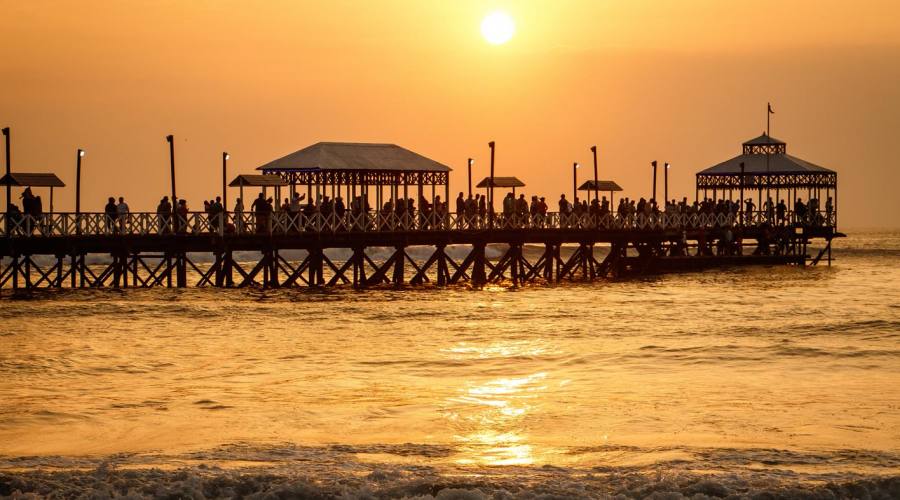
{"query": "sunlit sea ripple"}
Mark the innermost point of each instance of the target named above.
(780, 370)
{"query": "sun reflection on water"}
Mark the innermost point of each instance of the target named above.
(491, 418)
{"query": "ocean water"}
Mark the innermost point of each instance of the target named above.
(777, 381)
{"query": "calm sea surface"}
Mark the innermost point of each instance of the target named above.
(778, 372)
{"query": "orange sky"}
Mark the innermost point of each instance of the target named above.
(679, 81)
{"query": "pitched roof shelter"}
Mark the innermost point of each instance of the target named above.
(31, 180)
(501, 182)
(600, 186)
(335, 163)
(22, 179)
(764, 165)
(610, 186)
(257, 180)
(353, 165)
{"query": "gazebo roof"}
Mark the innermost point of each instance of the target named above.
(765, 164)
(256, 180)
(765, 155)
(332, 156)
(33, 180)
(501, 182)
(600, 186)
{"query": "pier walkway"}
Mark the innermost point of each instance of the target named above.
(147, 249)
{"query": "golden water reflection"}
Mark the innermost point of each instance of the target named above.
(491, 417)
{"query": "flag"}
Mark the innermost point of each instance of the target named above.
(770, 109)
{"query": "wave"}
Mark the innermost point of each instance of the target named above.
(422, 483)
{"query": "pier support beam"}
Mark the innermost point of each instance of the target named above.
(399, 265)
(479, 278)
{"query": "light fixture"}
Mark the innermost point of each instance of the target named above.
(227, 156)
(81, 153)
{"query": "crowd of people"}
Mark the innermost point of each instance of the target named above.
(472, 212)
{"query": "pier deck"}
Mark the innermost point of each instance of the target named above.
(148, 250)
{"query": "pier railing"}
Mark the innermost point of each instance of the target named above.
(147, 223)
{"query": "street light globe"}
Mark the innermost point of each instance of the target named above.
(227, 156)
(667, 165)
(81, 153)
(577, 165)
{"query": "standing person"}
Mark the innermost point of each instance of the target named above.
(163, 215)
(482, 209)
(239, 215)
(749, 206)
(770, 210)
(800, 211)
(181, 216)
(563, 211)
(829, 211)
(563, 204)
(781, 211)
(521, 205)
(260, 210)
(542, 210)
(295, 203)
(111, 212)
(470, 209)
(122, 213)
(217, 212)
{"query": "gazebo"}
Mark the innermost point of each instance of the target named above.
(327, 168)
(257, 180)
(601, 186)
(32, 180)
(765, 166)
(501, 182)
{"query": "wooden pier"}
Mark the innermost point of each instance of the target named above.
(327, 243)
(146, 250)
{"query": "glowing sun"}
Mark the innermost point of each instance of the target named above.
(497, 27)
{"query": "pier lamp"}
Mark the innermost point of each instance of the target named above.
(575, 167)
(225, 158)
(666, 182)
(596, 179)
(471, 162)
(171, 140)
(8, 184)
(491, 187)
(78, 156)
(653, 164)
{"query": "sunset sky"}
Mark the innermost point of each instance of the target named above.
(680, 81)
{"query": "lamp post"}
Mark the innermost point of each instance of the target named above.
(741, 207)
(491, 187)
(596, 179)
(666, 184)
(8, 180)
(78, 156)
(653, 196)
(575, 181)
(471, 161)
(171, 140)
(225, 158)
